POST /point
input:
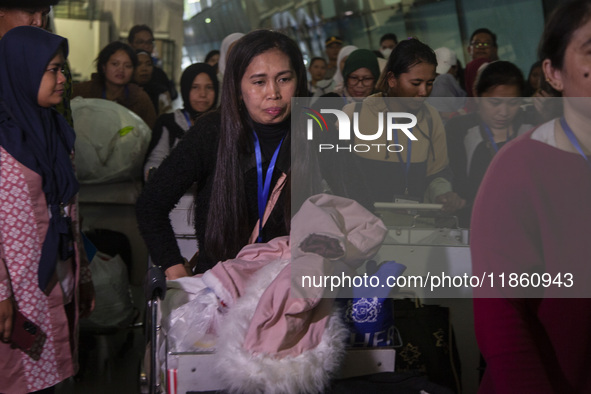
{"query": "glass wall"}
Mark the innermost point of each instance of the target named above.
(362, 22)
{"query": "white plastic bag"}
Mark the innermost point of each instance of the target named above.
(193, 326)
(111, 141)
(113, 304)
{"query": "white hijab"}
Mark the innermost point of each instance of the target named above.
(226, 43)
(338, 76)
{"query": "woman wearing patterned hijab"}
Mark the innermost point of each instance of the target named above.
(39, 267)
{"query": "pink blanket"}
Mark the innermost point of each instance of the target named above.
(276, 331)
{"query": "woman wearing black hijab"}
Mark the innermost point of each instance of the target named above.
(143, 75)
(40, 268)
(199, 89)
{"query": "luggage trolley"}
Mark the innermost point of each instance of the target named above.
(172, 371)
(175, 371)
(181, 220)
(179, 372)
(414, 242)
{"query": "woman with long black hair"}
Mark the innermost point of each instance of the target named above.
(238, 157)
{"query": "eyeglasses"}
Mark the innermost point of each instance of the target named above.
(354, 81)
(481, 44)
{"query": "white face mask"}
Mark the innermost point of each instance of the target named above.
(386, 52)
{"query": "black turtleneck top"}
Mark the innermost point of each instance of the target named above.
(270, 136)
(193, 161)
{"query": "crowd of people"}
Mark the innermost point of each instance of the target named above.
(485, 159)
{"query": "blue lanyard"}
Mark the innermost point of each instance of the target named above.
(573, 140)
(263, 190)
(491, 138)
(187, 117)
(407, 165)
